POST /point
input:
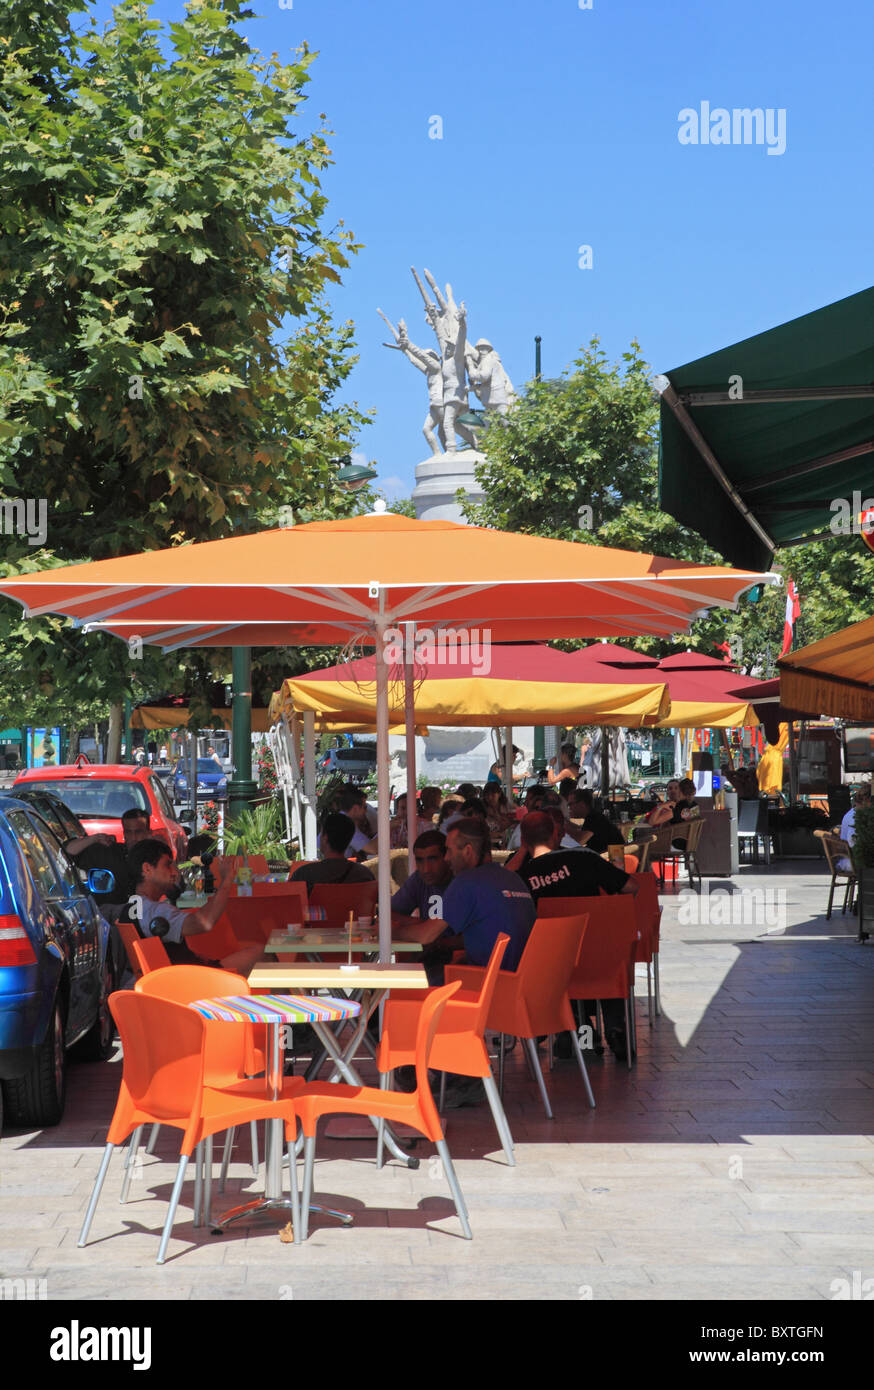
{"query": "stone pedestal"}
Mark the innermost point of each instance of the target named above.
(439, 478)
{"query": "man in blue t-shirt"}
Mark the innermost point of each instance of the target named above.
(482, 901)
(423, 891)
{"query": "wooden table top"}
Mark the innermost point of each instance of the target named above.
(273, 975)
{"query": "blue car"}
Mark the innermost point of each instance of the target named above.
(57, 967)
(212, 781)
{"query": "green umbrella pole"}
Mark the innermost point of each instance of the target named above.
(241, 788)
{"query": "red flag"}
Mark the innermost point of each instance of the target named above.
(793, 611)
(723, 647)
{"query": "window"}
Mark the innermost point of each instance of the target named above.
(43, 872)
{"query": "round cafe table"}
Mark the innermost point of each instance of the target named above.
(275, 1010)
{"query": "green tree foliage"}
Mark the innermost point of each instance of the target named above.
(577, 459)
(168, 364)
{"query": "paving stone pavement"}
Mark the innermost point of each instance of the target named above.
(734, 1162)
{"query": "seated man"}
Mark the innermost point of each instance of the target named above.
(482, 901)
(333, 867)
(420, 899)
(104, 852)
(598, 831)
(353, 803)
(154, 872)
(554, 873)
(848, 825)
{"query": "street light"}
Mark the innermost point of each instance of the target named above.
(353, 476)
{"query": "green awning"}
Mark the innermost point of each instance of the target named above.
(10, 735)
(757, 440)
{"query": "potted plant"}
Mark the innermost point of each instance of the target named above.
(863, 858)
(257, 831)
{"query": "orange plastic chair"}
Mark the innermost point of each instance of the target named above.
(149, 953)
(232, 1054)
(339, 899)
(397, 1107)
(649, 918)
(605, 969)
(533, 999)
(256, 862)
(163, 1082)
(251, 921)
(458, 1043)
(129, 934)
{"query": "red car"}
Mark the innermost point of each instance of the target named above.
(99, 793)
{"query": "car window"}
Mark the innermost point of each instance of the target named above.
(67, 874)
(161, 797)
(44, 873)
(96, 798)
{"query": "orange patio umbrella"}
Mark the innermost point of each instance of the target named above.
(364, 577)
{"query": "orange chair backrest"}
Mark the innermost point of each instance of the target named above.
(256, 862)
(434, 1004)
(339, 899)
(163, 1052)
(129, 934)
(149, 953)
(646, 901)
(184, 983)
(611, 933)
(546, 967)
(490, 979)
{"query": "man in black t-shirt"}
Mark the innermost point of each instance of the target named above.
(598, 831)
(557, 873)
(334, 867)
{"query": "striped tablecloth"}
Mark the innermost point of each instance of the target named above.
(276, 1008)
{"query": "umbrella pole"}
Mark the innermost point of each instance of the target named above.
(508, 763)
(382, 796)
(310, 845)
(410, 731)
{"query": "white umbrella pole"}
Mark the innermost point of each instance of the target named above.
(382, 797)
(310, 835)
(410, 731)
(508, 763)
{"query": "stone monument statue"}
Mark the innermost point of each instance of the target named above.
(451, 371)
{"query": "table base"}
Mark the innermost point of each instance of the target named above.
(260, 1205)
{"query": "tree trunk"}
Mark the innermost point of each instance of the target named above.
(113, 740)
(73, 744)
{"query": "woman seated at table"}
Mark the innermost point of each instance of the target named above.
(334, 867)
(498, 816)
(568, 774)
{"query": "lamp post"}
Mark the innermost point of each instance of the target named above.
(241, 788)
(539, 759)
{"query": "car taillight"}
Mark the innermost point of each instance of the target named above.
(15, 947)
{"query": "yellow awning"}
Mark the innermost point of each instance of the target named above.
(834, 676)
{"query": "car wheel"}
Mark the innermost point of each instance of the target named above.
(98, 1042)
(37, 1098)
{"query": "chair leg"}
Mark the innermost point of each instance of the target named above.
(171, 1211)
(499, 1118)
(632, 1013)
(309, 1155)
(501, 1069)
(293, 1188)
(226, 1157)
(582, 1064)
(198, 1185)
(629, 1033)
(655, 971)
(153, 1139)
(256, 1160)
(442, 1100)
(531, 1050)
(131, 1162)
(95, 1194)
(649, 1007)
(831, 894)
(454, 1188)
(385, 1084)
(207, 1185)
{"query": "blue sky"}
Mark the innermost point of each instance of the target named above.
(560, 129)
